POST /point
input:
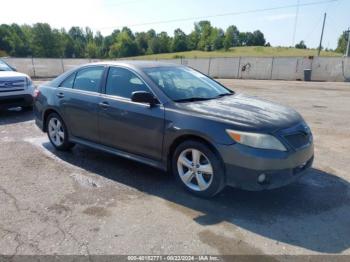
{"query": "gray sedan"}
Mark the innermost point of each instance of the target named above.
(177, 119)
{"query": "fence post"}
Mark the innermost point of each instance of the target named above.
(239, 67)
(62, 65)
(273, 59)
(209, 63)
(33, 68)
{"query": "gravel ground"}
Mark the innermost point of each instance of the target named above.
(88, 202)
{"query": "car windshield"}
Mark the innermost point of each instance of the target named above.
(184, 84)
(4, 66)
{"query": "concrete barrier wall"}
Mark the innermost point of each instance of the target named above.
(284, 68)
(327, 69)
(346, 67)
(224, 67)
(24, 65)
(202, 65)
(48, 67)
(274, 68)
(72, 63)
(256, 68)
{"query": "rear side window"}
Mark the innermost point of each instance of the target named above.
(68, 83)
(89, 79)
(123, 82)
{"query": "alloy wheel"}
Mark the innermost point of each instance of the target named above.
(56, 131)
(195, 169)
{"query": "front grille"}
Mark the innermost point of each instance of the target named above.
(299, 139)
(12, 84)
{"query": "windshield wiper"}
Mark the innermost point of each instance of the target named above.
(192, 99)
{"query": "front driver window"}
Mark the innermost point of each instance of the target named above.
(89, 79)
(68, 82)
(122, 82)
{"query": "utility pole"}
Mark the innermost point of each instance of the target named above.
(348, 49)
(324, 23)
(296, 22)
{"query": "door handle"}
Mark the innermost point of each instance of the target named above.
(60, 95)
(104, 105)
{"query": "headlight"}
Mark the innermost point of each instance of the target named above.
(29, 81)
(262, 141)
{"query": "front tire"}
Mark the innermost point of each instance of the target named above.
(57, 133)
(198, 169)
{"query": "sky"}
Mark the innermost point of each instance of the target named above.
(141, 15)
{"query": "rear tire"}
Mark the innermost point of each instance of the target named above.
(58, 133)
(198, 169)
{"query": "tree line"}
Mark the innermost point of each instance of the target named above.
(343, 42)
(40, 40)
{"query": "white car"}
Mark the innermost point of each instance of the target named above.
(16, 89)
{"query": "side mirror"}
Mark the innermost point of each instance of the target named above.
(14, 68)
(144, 97)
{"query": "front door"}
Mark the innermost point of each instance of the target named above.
(125, 125)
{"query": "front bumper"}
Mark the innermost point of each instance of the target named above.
(9, 101)
(244, 165)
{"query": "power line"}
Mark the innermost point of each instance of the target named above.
(226, 14)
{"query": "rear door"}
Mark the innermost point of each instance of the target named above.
(132, 127)
(78, 97)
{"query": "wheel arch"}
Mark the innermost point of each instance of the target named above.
(189, 137)
(46, 113)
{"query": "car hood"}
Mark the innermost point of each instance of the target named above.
(11, 75)
(245, 113)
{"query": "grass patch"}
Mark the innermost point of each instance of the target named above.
(258, 51)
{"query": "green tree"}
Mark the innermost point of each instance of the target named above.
(14, 40)
(301, 45)
(6, 36)
(89, 35)
(141, 42)
(153, 46)
(217, 39)
(179, 43)
(78, 40)
(193, 40)
(124, 45)
(20, 41)
(164, 42)
(231, 37)
(342, 42)
(108, 41)
(45, 42)
(205, 30)
(92, 50)
(98, 39)
(42, 41)
(258, 38)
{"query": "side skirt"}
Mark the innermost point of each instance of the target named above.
(120, 153)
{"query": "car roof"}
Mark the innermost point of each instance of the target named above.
(137, 64)
(132, 64)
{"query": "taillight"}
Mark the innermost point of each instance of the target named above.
(36, 93)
